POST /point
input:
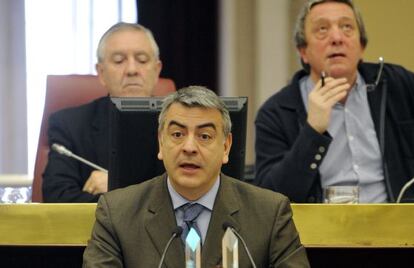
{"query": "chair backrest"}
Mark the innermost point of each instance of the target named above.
(63, 91)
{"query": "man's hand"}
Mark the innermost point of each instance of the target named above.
(97, 183)
(322, 99)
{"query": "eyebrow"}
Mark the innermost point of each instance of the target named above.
(123, 53)
(173, 122)
(323, 19)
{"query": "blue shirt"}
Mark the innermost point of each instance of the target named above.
(206, 200)
(354, 156)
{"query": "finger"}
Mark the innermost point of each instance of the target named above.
(319, 87)
(88, 187)
(335, 91)
(331, 84)
(336, 98)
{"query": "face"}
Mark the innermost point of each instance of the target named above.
(333, 43)
(193, 148)
(129, 67)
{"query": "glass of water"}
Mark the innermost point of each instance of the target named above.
(343, 194)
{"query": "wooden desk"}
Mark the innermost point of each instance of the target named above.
(355, 226)
(379, 225)
(338, 235)
(46, 224)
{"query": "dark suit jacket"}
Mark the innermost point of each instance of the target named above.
(134, 224)
(84, 131)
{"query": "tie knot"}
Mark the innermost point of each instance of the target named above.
(192, 211)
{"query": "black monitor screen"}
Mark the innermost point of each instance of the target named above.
(134, 142)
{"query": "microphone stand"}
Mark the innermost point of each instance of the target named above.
(229, 225)
(177, 232)
(405, 187)
(62, 150)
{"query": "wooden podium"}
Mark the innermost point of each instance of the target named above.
(371, 235)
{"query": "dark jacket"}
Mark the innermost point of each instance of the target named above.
(84, 131)
(286, 145)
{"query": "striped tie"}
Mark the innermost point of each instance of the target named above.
(191, 212)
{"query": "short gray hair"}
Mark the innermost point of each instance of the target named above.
(120, 26)
(196, 96)
(299, 33)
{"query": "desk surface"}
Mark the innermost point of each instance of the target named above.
(319, 225)
(363, 225)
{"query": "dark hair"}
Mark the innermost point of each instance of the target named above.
(196, 96)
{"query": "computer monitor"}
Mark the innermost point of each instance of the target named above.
(134, 141)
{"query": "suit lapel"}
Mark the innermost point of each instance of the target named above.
(100, 131)
(160, 223)
(291, 99)
(224, 210)
(376, 98)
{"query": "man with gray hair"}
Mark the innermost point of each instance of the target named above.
(134, 224)
(340, 121)
(128, 66)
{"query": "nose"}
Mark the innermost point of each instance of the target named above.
(190, 145)
(132, 67)
(336, 36)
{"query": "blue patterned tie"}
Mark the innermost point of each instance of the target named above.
(191, 212)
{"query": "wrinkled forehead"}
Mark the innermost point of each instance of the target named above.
(313, 3)
(193, 116)
(330, 10)
(128, 39)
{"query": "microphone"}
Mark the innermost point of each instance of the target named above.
(63, 151)
(372, 87)
(403, 189)
(176, 233)
(226, 225)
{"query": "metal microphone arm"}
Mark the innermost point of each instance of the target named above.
(245, 246)
(229, 225)
(373, 86)
(62, 150)
(405, 187)
(176, 233)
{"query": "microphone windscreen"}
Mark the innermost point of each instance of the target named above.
(61, 149)
(178, 230)
(56, 147)
(227, 224)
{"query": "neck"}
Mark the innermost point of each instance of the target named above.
(190, 193)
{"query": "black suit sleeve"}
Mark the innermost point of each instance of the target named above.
(64, 177)
(285, 155)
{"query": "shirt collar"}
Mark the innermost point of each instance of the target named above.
(206, 200)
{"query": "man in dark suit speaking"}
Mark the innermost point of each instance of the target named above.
(134, 224)
(128, 66)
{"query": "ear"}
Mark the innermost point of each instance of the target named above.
(303, 55)
(159, 155)
(362, 52)
(227, 147)
(159, 67)
(99, 70)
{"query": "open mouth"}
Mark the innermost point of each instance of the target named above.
(336, 55)
(189, 166)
